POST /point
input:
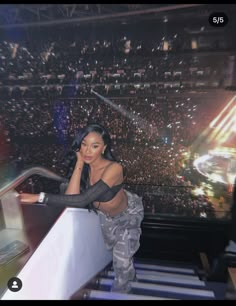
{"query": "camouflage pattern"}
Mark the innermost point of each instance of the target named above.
(121, 235)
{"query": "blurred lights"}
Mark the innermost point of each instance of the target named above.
(165, 19)
(224, 124)
(198, 191)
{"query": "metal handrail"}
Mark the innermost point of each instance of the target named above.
(28, 173)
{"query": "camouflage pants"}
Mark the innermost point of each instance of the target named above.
(121, 235)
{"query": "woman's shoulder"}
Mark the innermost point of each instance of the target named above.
(113, 174)
(115, 165)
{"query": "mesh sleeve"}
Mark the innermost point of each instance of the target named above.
(78, 200)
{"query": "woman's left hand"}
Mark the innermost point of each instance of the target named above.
(28, 198)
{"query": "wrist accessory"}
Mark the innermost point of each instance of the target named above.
(41, 197)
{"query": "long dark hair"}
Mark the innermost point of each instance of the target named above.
(71, 159)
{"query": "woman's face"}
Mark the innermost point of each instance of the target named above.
(92, 147)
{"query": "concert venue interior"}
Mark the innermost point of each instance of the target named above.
(162, 79)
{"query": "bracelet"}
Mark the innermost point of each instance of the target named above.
(41, 197)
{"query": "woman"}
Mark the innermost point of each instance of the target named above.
(96, 183)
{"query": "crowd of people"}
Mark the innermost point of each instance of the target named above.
(165, 118)
(58, 60)
(175, 200)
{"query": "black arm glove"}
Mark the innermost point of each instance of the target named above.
(78, 200)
